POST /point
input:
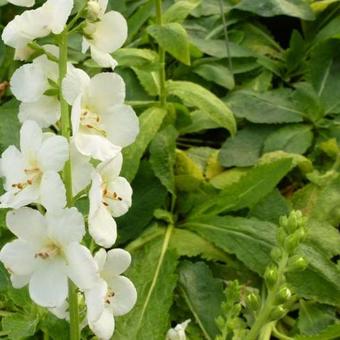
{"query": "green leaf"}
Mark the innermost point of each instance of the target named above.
(203, 294)
(197, 96)
(250, 189)
(172, 38)
(331, 332)
(19, 326)
(136, 57)
(163, 157)
(216, 73)
(330, 31)
(153, 274)
(272, 107)
(180, 10)
(150, 121)
(270, 8)
(245, 148)
(291, 138)
(149, 80)
(240, 236)
(10, 126)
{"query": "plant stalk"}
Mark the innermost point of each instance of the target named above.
(67, 177)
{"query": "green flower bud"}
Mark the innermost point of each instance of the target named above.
(93, 10)
(271, 276)
(220, 322)
(253, 302)
(295, 221)
(278, 313)
(276, 254)
(283, 295)
(281, 236)
(297, 263)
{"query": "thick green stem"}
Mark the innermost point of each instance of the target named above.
(162, 75)
(67, 177)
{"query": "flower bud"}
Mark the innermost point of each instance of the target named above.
(271, 276)
(295, 221)
(278, 313)
(281, 236)
(283, 295)
(93, 10)
(253, 302)
(276, 254)
(291, 243)
(297, 263)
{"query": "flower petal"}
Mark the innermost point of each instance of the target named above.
(52, 191)
(75, 115)
(74, 84)
(103, 59)
(20, 281)
(82, 268)
(117, 262)
(29, 83)
(45, 111)
(16, 199)
(122, 188)
(125, 295)
(110, 169)
(49, 67)
(48, 285)
(18, 257)
(104, 327)
(30, 138)
(27, 224)
(65, 226)
(111, 32)
(24, 3)
(100, 258)
(95, 146)
(122, 125)
(95, 194)
(103, 228)
(105, 90)
(53, 154)
(95, 300)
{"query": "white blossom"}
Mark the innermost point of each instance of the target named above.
(178, 333)
(101, 123)
(31, 174)
(110, 195)
(23, 3)
(104, 34)
(47, 252)
(114, 295)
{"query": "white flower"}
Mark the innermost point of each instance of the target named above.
(178, 333)
(115, 295)
(101, 123)
(23, 3)
(47, 252)
(31, 175)
(104, 35)
(110, 195)
(36, 23)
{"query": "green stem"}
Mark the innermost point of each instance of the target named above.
(45, 336)
(67, 177)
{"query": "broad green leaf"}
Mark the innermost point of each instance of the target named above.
(149, 80)
(250, 189)
(9, 127)
(150, 121)
(270, 107)
(199, 121)
(197, 96)
(19, 326)
(245, 148)
(250, 240)
(228, 177)
(56, 328)
(216, 73)
(153, 274)
(291, 138)
(330, 333)
(163, 157)
(172, 38)
(330, 31)
(270, 8)
(203, 294)
(180, 10)
(136, 57)
(314, 317)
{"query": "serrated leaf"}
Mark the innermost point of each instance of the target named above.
(153, 273)
(332, 332)
(180, 10)
(149, 80)
(292, 139)
(19, 326)
(150, 121)
(197, 96)
(203, 295)
(163, 157)
(173, 38)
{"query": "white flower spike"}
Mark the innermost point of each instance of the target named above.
(104, 34)
(31, 175)
(47, 252)
(178, 333)
(101, 123)
(110, 195)
(114, 295)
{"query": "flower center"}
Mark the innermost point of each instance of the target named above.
(48, 252)
(33, 175)
(91, 121)
(111, 196)
(110, 294)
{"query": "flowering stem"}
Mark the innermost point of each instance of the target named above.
(161, 51)
(67, 176)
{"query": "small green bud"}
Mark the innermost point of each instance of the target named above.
(281, 236)
(271, 276)
(295, 221)
(283, 221)
(297, 263)
(220, 322)
(284, 295)
(93, 10)
(291, 243)
(278, 313)
(276, 254)
(253, 302)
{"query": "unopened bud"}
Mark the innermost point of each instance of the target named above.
(253, 302)
(284, 295)
(93, 10)
(281, 236)
(278, 313)
(271, 276)
(291, 243)
(295, 221)
(276, 254)
(297, 263)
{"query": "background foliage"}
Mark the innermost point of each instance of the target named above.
(207, 199)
